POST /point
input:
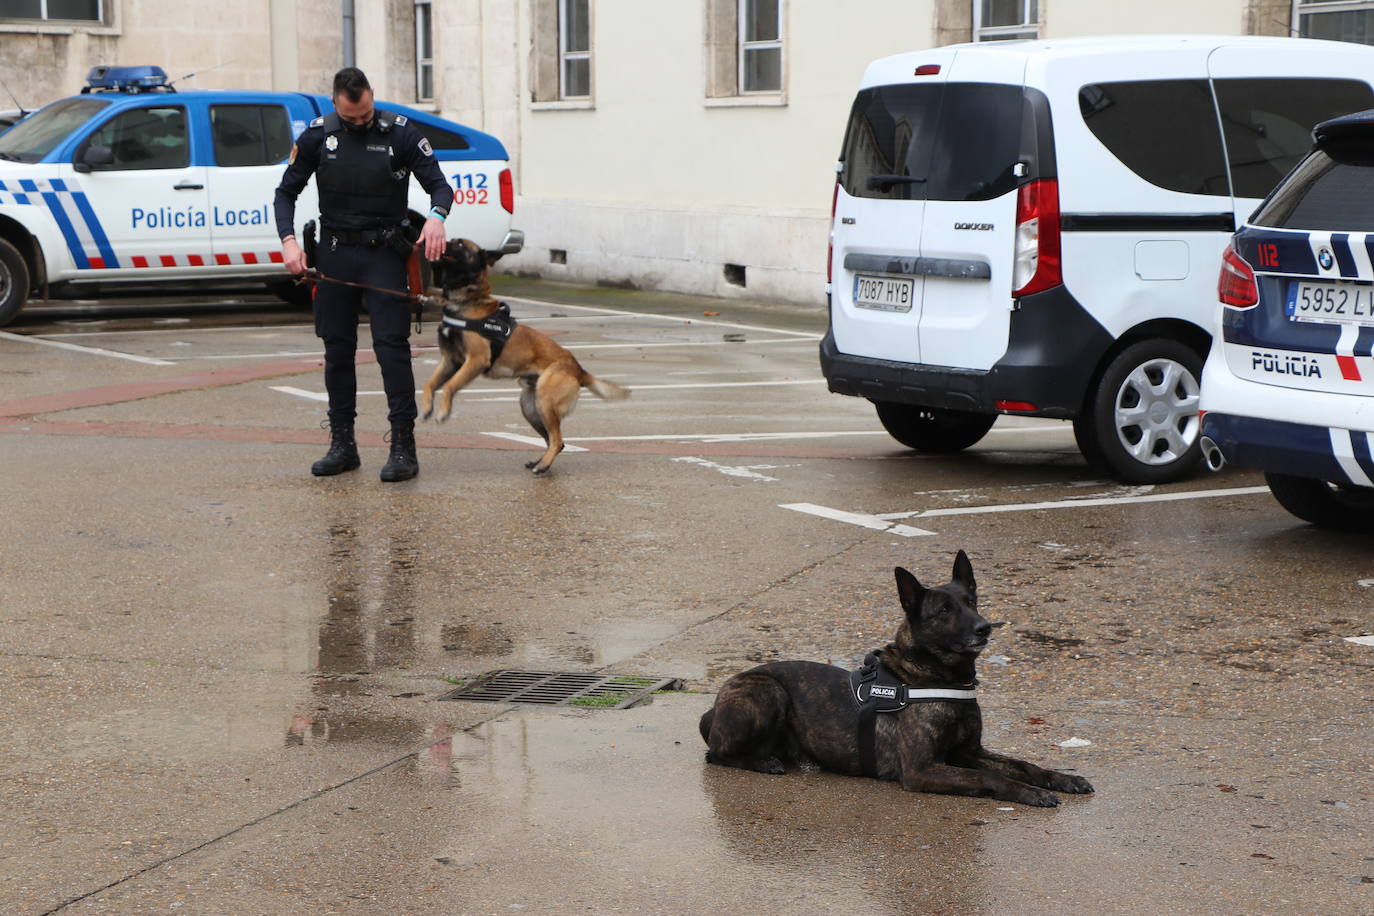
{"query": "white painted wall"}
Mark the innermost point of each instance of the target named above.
(1074, 18)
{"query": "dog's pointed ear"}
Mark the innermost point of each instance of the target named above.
(910, 591)
(963, 573)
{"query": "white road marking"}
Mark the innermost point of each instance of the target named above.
(1361, 640)
(534, 440)
(255, 332)
(881, 522)
(855, 518)
(477, 393)
(92, 351)
(749, 472)
(301, 393)
(721, 324)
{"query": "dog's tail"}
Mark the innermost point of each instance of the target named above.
(603, 389)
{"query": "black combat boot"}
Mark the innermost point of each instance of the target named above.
(401, 464)
(342, 455)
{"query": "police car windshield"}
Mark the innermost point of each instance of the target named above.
(36, 136)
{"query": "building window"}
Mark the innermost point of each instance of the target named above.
(1005, 20)
(574, 49)
(424, 51)
(65, 10)
(1338, 20)
(760, 46)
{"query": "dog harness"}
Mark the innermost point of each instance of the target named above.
(496, 328)
(877, 689)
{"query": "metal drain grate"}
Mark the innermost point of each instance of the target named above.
(562, 688)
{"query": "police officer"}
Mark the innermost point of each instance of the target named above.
(362, 160)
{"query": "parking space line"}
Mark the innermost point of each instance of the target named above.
(92, 351)
(885, 522)
(534, 440)
(181, 329)
(476, 393)
(679, 318)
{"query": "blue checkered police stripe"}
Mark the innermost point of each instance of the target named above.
(73, 213)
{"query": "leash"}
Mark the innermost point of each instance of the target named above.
(414, 295)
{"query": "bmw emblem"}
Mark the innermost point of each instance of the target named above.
(1326, 259)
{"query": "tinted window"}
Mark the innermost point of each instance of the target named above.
(250, 134)
(1163, 130)
(1268, 123)
(145, 138)
(1333, 190)
(957, 141)
(38, 134)
(440, 138)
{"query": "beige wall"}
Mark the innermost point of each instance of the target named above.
(226, 44)
(1072, 18)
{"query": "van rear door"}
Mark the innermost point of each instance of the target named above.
(876, 290)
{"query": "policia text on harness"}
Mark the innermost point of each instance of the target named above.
(877, 690)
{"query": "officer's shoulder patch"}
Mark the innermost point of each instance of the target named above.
(318, 122)
(402, 120)
(425, 147)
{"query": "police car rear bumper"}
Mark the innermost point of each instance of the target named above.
(1052, 348)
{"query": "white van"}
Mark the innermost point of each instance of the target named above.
(1034, 228)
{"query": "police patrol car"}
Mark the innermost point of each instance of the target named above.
(1288, 387)
(132, 181)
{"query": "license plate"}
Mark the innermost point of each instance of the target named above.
(1331, 302)
(886, 294)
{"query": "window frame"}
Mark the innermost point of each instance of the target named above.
(744, 46)
(1303, 9)
(424, 35)
(102, 8)
(1028, 27)
(565, 55)
(259, 107)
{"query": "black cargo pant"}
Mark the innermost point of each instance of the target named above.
(336, 323)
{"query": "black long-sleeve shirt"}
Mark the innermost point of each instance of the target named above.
(410, 150)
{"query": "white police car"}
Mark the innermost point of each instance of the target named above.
(133, 182)
(1288, 387)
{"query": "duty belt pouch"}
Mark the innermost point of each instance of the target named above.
(401, 239)
(309, 244)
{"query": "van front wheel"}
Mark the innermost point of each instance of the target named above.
(14, 282)
(933, 429)
(1142, 424)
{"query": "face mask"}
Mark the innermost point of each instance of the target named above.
(357, 128)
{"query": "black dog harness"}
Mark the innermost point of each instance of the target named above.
(496, 328)
(877, 689)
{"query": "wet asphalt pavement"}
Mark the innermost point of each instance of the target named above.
(222, 677)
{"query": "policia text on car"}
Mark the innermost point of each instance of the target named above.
(362, 160)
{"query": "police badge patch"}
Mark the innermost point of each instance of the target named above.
(425, 147)
(331, 143)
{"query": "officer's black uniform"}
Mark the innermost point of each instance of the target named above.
(363, 176)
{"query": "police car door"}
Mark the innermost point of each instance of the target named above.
(146, 191)
(250, 140)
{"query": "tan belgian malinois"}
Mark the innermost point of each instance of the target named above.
(478, 337)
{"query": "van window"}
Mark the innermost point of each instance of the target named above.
(145, 138)
(248, 135)
(440, 138)
(38, 134)
(1268, 123)
(1163, 130)
(1330, 192)
(956, 141)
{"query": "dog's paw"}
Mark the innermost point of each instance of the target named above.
(537, 470)
(1037, 798)
(1073, 785)
(530, 464)
(770, 765)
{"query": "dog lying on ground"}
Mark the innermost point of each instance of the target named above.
(784, 712)
(478, 337)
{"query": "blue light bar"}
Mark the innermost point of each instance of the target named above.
(127, 79)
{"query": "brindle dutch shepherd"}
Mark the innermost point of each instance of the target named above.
(785, 712)
(551, 378)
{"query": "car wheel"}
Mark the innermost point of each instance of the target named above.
(933, 429)
(14, 282)
(1142, 425)
(1323, 503)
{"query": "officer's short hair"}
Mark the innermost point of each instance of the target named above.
(351, 82)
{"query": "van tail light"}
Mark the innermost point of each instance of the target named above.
(830, 252)
(1037, 263)
(507, 192)
(1236, 287)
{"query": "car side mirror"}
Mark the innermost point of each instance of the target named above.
(93, 156)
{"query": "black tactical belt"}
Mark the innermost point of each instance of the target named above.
(877, 689)
(496, 328)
